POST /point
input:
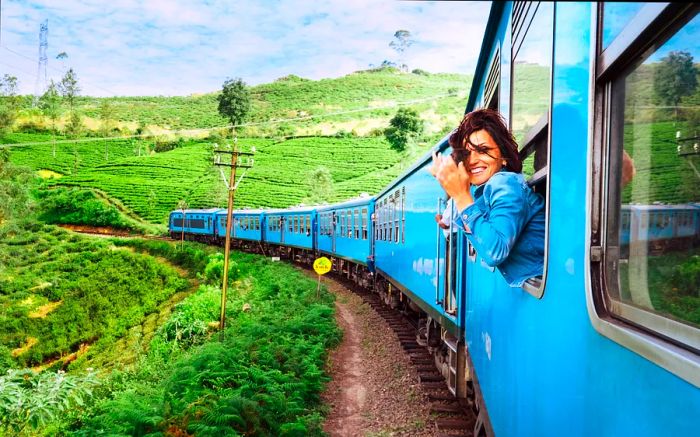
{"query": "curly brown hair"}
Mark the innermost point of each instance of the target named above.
(492, 122)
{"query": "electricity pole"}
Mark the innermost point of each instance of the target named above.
(232, 185)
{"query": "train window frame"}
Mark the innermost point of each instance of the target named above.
(670, 344)
(539, 137)
(363, 213)
(403, 215)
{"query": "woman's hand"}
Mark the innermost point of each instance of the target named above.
(453, 178)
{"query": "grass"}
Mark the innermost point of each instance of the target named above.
(96, 292)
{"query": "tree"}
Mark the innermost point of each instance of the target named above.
(69, 89)
(676, 77)
(68, 86)
(50, 105)
(320, 183)
(404, 127)
(402, 41)
(234, 101)
(9, 102)
(106, 118)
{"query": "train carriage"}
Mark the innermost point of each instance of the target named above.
(593, 347)
(196, 224)
(246, 228)
(291, 232)
(345, 234)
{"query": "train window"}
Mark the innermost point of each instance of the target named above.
(616, 15)
(531, 98)
(356, 227)
(398, 210)
(364, 223)
(352, 224)
(342, 223)
(531, 88)
(493, 83)
(650, 270)
(403, 215)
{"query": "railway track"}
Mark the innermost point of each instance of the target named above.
(453, 417)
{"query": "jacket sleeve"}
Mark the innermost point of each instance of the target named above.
(494, 221)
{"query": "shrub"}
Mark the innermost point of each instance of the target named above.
(686, 277)
(405, 126)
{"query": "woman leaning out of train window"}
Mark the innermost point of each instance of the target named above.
(501, 215)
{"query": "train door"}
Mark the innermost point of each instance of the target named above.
(281, 222)
(447, 251)
(334, 223)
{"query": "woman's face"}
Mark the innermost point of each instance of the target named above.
(485, 159)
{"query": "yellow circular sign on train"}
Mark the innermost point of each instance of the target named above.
(322, 265)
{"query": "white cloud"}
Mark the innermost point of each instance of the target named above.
(168, 47)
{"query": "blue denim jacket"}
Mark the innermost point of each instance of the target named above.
(505, 224)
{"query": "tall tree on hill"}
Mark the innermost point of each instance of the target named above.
(106, 119)
(69, 88)
(403, 128)
(402, 41)
(50, 105)
(234, 101)
(9, 102)
(676, 77)
(320, 183)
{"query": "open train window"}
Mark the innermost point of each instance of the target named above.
(531, 98)
(647, 269)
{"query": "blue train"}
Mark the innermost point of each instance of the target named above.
(604, 342)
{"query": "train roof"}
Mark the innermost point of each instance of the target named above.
(357, 201)
(198, 211)
(242, 211)
(293, 210)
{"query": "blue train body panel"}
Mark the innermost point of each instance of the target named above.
(196, 221)
(345, 230)
(543, 366)
(409, 246)
(291, 227)
(247, 224)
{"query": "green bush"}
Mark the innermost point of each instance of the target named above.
(80, 207)
(686, 277)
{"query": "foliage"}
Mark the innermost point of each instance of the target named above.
(686, 276)
(320, 186)
(402, 41)
(29, 400)
(405, 126)
(15, 184)
(9, 102)
(69, 88)
(676, 77)
(264, 379)
(80, 207)
(93, 292)
(234, 101)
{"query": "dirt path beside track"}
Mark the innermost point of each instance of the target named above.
(374, 390)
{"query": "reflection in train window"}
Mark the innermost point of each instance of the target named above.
(616, 15)
(654, 176)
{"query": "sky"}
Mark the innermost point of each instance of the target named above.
(179, 47)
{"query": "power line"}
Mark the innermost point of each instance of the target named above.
(112, 93)
(259, 123)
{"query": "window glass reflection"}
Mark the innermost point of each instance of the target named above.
(616, 15)
(659, 221)
(531, 78)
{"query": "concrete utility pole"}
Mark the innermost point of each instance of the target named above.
(232, 185)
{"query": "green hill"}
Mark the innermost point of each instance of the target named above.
(296, 125)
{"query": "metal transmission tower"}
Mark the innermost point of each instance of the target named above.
(40, 84)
